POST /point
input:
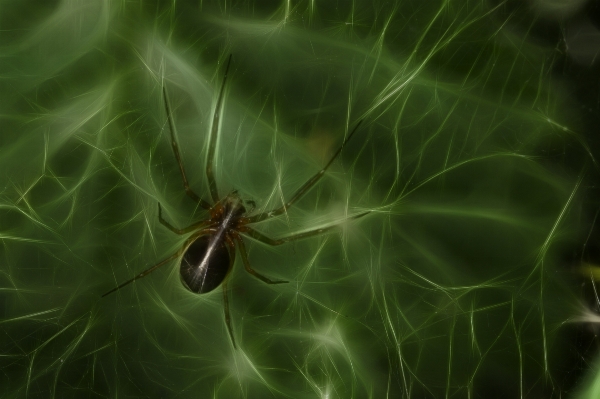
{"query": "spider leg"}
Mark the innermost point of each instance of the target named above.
(225, 297)
(227, 316)
(270, 241)
(249, 269)
(212, 183)
(185, 230)
(186, 185)
(302, 190)
(146, 272)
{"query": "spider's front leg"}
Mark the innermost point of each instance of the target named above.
(304, 188)
(186, 185)
(270, 241)
(210, 159)
(193, 227)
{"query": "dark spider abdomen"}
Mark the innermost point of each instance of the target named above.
(202, 272)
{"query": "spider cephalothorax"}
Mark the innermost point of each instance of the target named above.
(208, 255)
(230, 210)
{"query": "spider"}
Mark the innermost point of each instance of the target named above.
(208, 255)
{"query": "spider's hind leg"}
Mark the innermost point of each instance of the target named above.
(227, 316)
(249, 269)
(145, 272)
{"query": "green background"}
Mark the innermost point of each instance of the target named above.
(459, 283)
